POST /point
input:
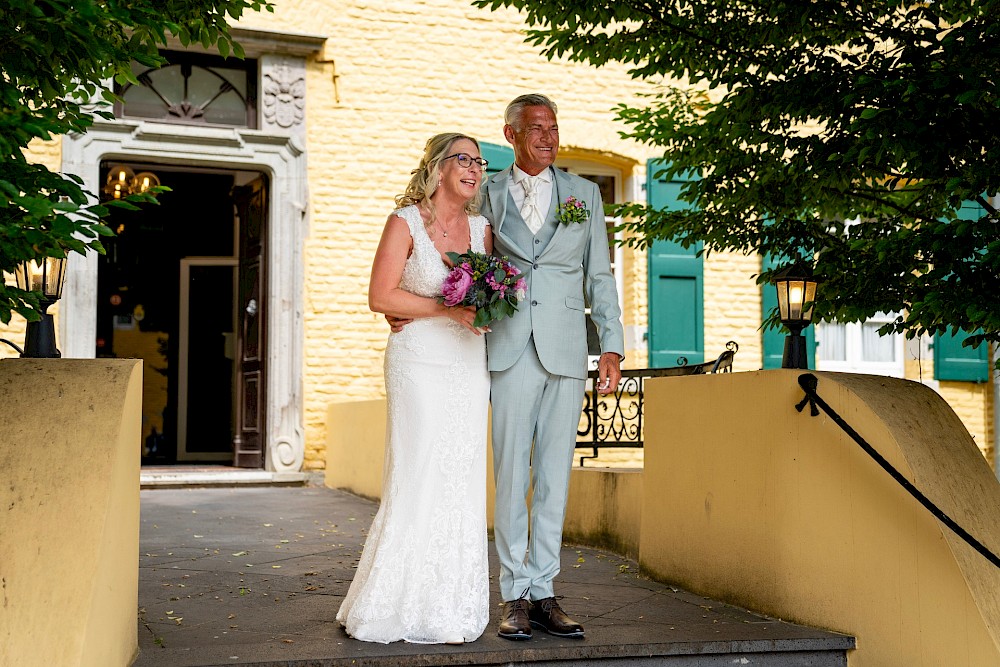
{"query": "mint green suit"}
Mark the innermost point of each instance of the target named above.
(538, 368)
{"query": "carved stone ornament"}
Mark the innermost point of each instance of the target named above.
(284, 96)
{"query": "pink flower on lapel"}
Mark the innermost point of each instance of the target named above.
(572, 211)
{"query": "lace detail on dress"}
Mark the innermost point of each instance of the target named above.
(425, 269)
(423, 575)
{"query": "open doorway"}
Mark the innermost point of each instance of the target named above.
(168, 289)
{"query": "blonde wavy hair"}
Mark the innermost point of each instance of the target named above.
(427, 175)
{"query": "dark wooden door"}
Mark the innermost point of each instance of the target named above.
(249, 442)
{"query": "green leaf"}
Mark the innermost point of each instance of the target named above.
(122, 204)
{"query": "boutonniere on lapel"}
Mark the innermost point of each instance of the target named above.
(572, 212)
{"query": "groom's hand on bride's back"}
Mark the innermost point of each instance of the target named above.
(396, 324)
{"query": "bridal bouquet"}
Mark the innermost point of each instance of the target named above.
(492, 284)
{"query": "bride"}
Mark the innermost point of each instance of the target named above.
(423, 576)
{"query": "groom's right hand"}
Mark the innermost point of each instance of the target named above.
(396, 324)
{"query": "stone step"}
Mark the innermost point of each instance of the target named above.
(254, 576)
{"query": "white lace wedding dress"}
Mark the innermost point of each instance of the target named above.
(423, 575)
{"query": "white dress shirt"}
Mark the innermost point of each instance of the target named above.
(544, 188)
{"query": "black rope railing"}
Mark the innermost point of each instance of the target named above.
(809, 382)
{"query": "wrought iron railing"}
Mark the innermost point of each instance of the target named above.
(615, 419)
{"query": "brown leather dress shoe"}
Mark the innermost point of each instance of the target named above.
(514, 622)
(549, 616)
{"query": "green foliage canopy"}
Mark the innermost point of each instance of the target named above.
(57, 58)
(797, 117)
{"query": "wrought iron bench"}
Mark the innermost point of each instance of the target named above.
(615, 420)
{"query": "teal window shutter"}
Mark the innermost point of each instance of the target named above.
(952, 361)
(773, 340)
(499, 157)
(676, 286)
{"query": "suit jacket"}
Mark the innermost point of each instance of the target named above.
(561, 264)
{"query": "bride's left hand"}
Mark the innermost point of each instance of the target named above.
(464, 315)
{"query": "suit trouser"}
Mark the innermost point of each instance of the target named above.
(531, 405)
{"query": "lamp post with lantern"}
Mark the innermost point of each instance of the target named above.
(796, 288)
(46, 277)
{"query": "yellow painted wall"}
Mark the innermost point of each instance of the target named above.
(780, 512)
(69, 524)
(355, 447)
(603, 508)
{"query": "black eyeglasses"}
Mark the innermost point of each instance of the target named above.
(465, 160)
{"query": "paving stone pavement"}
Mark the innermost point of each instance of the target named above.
(254, 576)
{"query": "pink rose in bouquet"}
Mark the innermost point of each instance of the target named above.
(456, 285)
(491, 284)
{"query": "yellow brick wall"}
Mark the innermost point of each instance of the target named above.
(973, 403)
(405, 71)
(733, 308)
(48, 153)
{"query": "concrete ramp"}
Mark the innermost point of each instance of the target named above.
(69, 511)
(749, 501)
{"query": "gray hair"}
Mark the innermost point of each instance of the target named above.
(516, 108)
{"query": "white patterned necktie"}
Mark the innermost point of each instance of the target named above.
(530, 210)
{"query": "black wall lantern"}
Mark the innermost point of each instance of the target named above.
(796, 294)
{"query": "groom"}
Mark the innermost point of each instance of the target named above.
(538, 358)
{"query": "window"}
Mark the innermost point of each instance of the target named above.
(609, 181)
(856, 347)
(193, 88)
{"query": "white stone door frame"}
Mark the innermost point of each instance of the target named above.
(282, 157)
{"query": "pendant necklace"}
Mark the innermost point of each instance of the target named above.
(444, 232)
